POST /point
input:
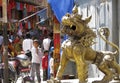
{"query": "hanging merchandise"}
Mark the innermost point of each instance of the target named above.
(19, 6)
(26, 25)
(29, 25)
(11, 5)
(24, 11)
(30, 8)
(20, 27)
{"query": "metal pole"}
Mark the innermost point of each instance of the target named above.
(5, 50)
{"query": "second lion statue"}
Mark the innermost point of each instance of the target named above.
(78, 48)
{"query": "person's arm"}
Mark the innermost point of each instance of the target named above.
(23, 45)
(52, 64)
(42, 47)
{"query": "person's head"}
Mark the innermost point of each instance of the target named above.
(35, 43)
(46, 52)
(50, 35)
(28, 35)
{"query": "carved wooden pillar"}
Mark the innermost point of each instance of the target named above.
(56, 37)
(53, 22)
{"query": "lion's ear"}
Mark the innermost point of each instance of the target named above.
(75, 10)
(87, 20)
(68, 15)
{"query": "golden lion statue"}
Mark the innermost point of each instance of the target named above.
(78, 48)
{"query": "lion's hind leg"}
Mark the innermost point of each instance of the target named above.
(103, 67)
(116, 68)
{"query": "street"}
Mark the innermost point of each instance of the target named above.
(90, 80)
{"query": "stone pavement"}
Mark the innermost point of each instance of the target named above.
(71, 81)
(90, 79)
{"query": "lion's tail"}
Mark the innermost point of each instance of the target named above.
(110, 43)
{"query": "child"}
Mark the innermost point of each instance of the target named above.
(36, 59)
(45, 65)
(51, 64)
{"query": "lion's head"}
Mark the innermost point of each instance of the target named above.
(73, 24)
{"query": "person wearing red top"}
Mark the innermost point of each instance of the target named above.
(45, 65)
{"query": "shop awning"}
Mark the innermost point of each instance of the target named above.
(32, 2)
(42, 16)
(41, 13)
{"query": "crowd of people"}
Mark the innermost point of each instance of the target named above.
(39, 52)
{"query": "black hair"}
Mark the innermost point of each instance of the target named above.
(28, 35)
(50, 34)
(46, 51)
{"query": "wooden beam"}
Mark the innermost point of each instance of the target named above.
(5, 49)
(4, 10)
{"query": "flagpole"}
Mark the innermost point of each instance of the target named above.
(5, 49)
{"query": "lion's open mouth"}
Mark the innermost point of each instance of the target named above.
(73, 27)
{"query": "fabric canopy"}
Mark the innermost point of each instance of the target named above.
(42, 16)
(61, 7)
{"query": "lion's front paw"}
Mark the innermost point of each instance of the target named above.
(57, 80)
(54, 80)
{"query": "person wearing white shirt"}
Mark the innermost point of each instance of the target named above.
(51, 64)
(36, 60)
(27, 43)
(47, 42)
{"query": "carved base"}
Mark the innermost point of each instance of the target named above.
(113, 81)
(77, 81)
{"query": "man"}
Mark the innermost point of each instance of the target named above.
(47, 42)
(27, 43)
